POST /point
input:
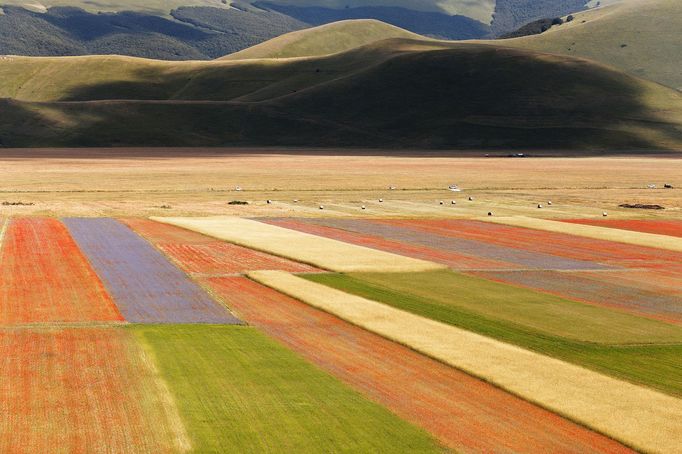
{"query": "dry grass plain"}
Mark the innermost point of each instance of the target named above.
(201, 182)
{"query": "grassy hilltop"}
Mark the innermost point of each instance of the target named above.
(323, 40)
(641, 37)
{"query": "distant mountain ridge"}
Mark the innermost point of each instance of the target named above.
(435, 25)
(207, 29)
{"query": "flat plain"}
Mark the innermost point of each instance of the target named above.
(146, 311)
(201, 182)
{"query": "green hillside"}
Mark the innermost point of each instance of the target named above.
(393, 93)
(641, 37)
(323, 40)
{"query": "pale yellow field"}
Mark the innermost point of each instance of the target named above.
(589, 231)
(201, 182)
(3, 228)
(637, 416)
(315, 250)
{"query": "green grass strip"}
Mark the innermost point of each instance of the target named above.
(239, 391)
(657, 366)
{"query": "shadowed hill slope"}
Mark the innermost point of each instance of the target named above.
(393, 93)
(641, 37)
(323, 40)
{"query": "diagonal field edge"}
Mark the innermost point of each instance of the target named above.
(589, 231)
(470, 247)
(145, 285)
(639, 417)
(3, 229)
(311, 249)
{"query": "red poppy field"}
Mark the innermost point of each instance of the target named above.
(46, 278)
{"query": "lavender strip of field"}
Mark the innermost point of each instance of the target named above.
(146, 287)
(574, 285)
(528, 259)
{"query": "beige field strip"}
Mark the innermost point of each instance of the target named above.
(318, 251)
(3, 228)
(639, 417)
(590, 231)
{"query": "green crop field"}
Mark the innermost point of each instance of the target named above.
(614, 343)
(238, 391)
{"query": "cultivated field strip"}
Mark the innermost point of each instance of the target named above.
(83, 390)
(589, 231)
(237, 391)
(659, 227)
(624, 346)
(146, 287)
(314, 250)
(519, 258)
(464, 413)
(200, 254)
(45, 278)
(595, 288)
(449, 258)
(3, 229)
(609, 253)
(449, 297)
(637, 416)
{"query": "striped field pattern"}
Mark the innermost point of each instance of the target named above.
(465, 413)
(393, 231)
(637, 416)
(659, 227)
(146, 287)
(200, 254)
(318, 251)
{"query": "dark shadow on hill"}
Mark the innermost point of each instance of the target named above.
(473, 97)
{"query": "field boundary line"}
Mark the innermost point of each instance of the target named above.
(3, 229)
(181, 438)
(318, 251)
(651, 240)
(639, 417)
(62, 325)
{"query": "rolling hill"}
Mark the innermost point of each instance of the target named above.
(207, 29)
(641, 37)
(324, 40)
(398, 93)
